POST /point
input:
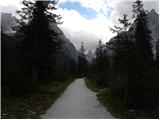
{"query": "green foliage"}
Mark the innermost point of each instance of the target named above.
(29, 57)
(101, 67)
(144, 79)
(13, 81)
(134, 74)
(102, 60)
(91, 84)
(114, 104)
(40, 43)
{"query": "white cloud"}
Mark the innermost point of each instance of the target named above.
(116, 7)
(15, 3)
(78, 29)
(97, 5)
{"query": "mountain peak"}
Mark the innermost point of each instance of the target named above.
(153, 17)
(153, 11)
(89, 52)
(89, 56)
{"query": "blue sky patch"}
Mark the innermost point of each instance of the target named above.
(85, 12)
(110, 9)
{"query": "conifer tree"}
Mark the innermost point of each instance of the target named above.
(142, 33)
(102, 65)
(102, 61)
(144, 58)
(40, 43)
(82, 62)
(123, 54)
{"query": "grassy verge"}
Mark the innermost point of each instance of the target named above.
(114, 105)
(91, 85)
(34, 104)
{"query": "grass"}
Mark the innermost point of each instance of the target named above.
(116, 106)
(113, 104)
(34, 104)
(91, 85)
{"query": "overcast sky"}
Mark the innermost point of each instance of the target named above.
(87, 20)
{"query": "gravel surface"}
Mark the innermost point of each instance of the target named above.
(77, 102)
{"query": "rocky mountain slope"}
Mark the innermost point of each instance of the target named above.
(7, 22)
(69, 50)
(153, 24)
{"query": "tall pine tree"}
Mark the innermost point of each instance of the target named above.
(144, 77)
(102, 65)
(82, 61)
(123, 55)
(102, 61)
(40, 43)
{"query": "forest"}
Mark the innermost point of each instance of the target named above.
(33, 62)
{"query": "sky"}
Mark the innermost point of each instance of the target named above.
(87, 20)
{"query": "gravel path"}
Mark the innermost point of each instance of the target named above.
(77, 102)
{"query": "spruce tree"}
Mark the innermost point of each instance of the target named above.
(82, 61)
(102, 65)
(142, 32)
(40, 43)
(123, 49)
(141, 92)
(99, 55)
(102, 61)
